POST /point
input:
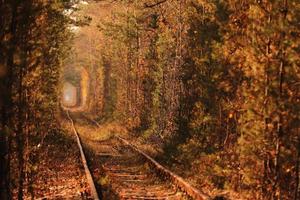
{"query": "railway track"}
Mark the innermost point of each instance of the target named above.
(89, 177)
(130, 173)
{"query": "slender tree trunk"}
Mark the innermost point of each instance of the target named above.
(20, 134)
(3, 134)
(137, 68)
(4, 162)
(278, 138)
(277, 187)
(266, 109)
(7, 109)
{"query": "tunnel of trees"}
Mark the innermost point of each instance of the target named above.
(75, 87)
(70, 95)
(214, 83)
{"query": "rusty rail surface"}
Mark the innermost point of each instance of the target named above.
(178, 181)
(83, 158)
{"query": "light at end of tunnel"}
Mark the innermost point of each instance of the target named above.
(67, 97)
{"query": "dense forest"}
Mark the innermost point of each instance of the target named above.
(213, 84)
(217, 82)
(33, 43)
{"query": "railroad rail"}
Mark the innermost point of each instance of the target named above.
(130, 172)
(89, 177)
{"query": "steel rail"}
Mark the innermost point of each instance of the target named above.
(89, 177)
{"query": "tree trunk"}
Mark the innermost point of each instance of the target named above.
(5, 192)
(20, 134)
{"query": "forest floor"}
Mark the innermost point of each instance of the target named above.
(59, 173)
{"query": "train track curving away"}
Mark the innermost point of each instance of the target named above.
(122, 171)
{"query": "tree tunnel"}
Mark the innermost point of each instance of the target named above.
(83, 65)
(70, 95)
(75, 89)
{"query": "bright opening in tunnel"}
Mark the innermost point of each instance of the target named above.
(75, 88)
(69, 98)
